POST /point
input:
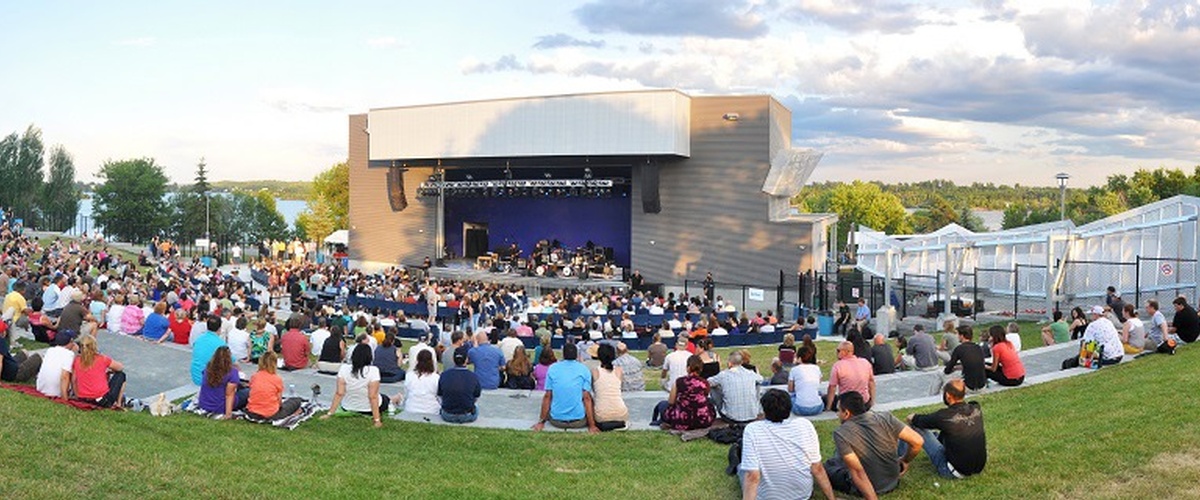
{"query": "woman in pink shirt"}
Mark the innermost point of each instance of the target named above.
(539, 372)
(133, 317)
(1006, 368)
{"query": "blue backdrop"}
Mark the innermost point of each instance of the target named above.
(573, 221)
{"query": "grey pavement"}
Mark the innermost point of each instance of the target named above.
(164, 368)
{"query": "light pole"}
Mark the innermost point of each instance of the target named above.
(207, 235)
(1062, 194)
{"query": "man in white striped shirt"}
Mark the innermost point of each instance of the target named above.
(781, 458)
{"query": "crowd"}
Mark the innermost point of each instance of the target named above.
(62, 294)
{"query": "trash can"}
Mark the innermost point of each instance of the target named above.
(825, 323)
(206, 261)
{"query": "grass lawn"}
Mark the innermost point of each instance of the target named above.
(1123, 432)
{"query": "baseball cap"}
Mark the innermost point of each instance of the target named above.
(1098, 310)
(64, 337)
(681, 342)
(460, 355)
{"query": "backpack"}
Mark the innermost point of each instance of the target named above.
(726, 435)
(735, 457)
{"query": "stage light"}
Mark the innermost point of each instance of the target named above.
(587, 173)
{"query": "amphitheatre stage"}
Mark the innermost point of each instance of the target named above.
(533, 284)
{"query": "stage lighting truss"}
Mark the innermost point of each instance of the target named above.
(542, 188)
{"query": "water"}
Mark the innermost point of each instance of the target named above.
(289, 209)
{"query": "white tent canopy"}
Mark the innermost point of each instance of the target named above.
(339, 237)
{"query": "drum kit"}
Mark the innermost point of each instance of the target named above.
(551, 260)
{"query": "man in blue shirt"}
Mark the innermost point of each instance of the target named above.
(458, 389)
(204, 347)
(488, 360)
(862, 315)
(568, 400)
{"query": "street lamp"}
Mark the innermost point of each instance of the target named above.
(1062, 194)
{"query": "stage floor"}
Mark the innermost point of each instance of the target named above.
(464, 270)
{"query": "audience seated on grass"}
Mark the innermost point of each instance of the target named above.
(781, 458)
(17, 367)
(688, 407)
(488, 361)
(850, 374)
(545, 360)
(869, 459)
(1104, 334)
(734, 392)
(787, 351)
(804, 382)
(1133, 331)
(882, 360)
(266, 392)
(54, 376)
(609, 409)
(333, 352)
(631, 370)
(965, 363)
(388, 358)
(1057, 332)
(97, 378)
(1006, 368)
(458, 390)
(457, 339)
(358, 387)
(518, 372)
(1186, 325)
(675, 365)
(569, 402)
(421, 386)
(204, 347)
(1158, 336)
(1013, 334)
(954, 436)
(710, 358)
(948, 341)
(221, 391)
(294, 345)
(921, 353)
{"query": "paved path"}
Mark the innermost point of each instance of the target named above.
(164, 368)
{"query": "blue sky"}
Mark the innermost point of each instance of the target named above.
(989, 90)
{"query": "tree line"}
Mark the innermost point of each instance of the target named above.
(936, 203)
(42, 201)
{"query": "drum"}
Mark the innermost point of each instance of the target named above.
(540, 271)
(567, 272)
(505, 267)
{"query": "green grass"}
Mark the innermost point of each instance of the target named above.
(1125, 431)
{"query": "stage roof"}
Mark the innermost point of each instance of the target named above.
(636, 123)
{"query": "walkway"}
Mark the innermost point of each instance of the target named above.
(154, 369)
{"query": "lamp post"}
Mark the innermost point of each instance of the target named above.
(1062, 194)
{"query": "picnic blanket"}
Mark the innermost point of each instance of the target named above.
(308, 410)
(74, 403)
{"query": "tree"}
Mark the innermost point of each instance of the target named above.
(255, 217)
(21, 161)
(863, 203)
(938, 214)
(328, 204)
(201, 185)
(60, 196)
(129, 202)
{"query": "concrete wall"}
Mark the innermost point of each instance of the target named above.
(380, 237)
(714, 213)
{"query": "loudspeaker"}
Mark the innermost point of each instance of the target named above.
(395, 189)
(608, 253)
(650, 201)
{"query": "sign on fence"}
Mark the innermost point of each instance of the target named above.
(755, 294)
(854, 292)
(1166, 268)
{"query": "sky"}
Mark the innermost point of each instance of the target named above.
(973, 91)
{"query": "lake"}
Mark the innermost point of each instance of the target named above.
(289, 209)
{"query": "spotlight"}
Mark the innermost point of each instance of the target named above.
(587, 173)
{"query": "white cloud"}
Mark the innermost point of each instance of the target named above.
(384, 42)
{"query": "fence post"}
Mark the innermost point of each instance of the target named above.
(1016, 289)
(975, 295)
(779, 298)
(743, 297)
(903, 295)
(1137, 281)
(937, 286)
(685, 287)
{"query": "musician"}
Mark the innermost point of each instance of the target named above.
(636, 280)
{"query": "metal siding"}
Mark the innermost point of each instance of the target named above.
(379, 236)
(714, 215)
(623, 123)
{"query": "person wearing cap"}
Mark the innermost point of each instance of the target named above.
(675, 364)
(54, 376)
(1102, 331)
(568, 401)
(458, 389)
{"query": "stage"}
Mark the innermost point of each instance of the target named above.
(464, 270)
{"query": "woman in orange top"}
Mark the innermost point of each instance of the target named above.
(266, 391)
(1006, 368)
